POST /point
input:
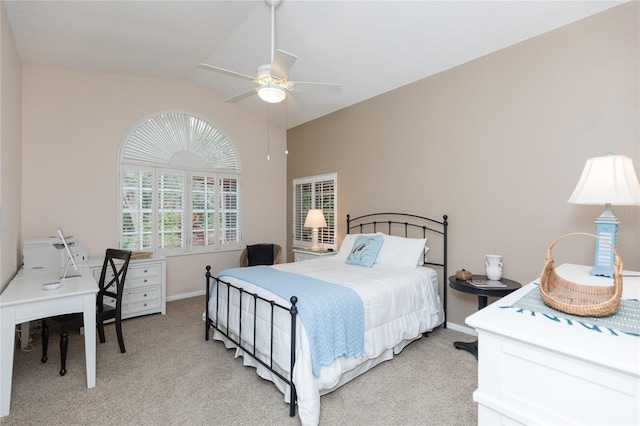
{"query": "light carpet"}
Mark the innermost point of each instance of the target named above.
(171, 376)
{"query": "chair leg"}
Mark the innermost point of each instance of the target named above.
(64, 344)
(120, 338)
(45, 341)
(100, 326)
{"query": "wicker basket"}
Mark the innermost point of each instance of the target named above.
(577, 299)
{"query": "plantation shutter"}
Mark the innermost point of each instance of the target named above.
(203, 229)
(229, 210)
(137, 209)
(315, 192)
(179, 186)
(302, 203)
(325, 200)
(171, 210)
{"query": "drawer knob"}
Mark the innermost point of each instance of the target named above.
(145, 295)
(145, 271)
(145, 280)
(145, 304)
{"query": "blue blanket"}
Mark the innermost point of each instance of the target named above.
(333, 315)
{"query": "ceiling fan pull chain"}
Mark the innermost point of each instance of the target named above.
(268, 130)
(286, 126)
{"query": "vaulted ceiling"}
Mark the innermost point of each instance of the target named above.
(369, 47)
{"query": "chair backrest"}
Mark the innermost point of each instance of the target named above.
(277, 252)
(113, 286)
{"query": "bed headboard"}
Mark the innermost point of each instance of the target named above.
(409, 226)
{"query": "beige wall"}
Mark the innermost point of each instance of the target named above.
(498, 144)
(10, 153)
(73, 125)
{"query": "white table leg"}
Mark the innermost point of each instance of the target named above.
(7, 342)
(89, 316)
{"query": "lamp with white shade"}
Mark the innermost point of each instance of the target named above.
(315, 219)
(610, 179)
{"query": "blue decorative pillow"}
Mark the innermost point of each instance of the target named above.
(365, 250)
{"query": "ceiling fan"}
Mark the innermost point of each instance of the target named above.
(273, 79)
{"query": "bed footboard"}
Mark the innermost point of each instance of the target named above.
(212, 320)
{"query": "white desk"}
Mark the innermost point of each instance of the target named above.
(24, 300)
(541, 369)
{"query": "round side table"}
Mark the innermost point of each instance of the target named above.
(483, 294)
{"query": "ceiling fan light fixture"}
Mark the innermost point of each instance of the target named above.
(272, 93)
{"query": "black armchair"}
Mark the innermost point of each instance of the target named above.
(260, 254)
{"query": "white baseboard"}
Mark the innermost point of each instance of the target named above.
(462, 328)
(186, 295)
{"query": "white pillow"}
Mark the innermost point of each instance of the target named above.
(347, 245)
(402, 251)
(424, 256)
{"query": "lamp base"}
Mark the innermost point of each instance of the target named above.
(606, 229)
(601, 271)
(314, 240)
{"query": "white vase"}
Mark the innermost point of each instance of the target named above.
(494, 266)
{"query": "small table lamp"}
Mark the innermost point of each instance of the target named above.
(315, 219)
(610, 179)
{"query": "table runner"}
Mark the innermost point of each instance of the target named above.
(626, 320)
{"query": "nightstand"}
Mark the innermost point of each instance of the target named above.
(483, 294)
(300, 254)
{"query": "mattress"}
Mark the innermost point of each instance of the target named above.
(400, 303)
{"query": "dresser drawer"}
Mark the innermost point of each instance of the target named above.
(144, 288)
(139, 301)
(143, 275)
(137, 275)
(135, 296)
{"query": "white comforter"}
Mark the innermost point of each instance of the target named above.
(400, 303)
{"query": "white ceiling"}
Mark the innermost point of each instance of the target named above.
(370, 47)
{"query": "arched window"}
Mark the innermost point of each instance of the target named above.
(179, 186)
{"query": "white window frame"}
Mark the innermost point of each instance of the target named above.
(191, 154)
(318, 185)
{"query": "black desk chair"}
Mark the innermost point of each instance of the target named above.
(113, 289)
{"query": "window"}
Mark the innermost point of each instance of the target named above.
(179, 187)
(315, 192)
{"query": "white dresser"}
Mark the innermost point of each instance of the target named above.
(542, 369)
(144, 288)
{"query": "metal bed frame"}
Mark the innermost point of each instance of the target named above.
(251, 351)
(399, 220)
(293, 310)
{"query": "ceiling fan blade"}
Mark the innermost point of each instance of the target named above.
(243, 95)
(227, 72)
(282, 63)
(305, 86)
